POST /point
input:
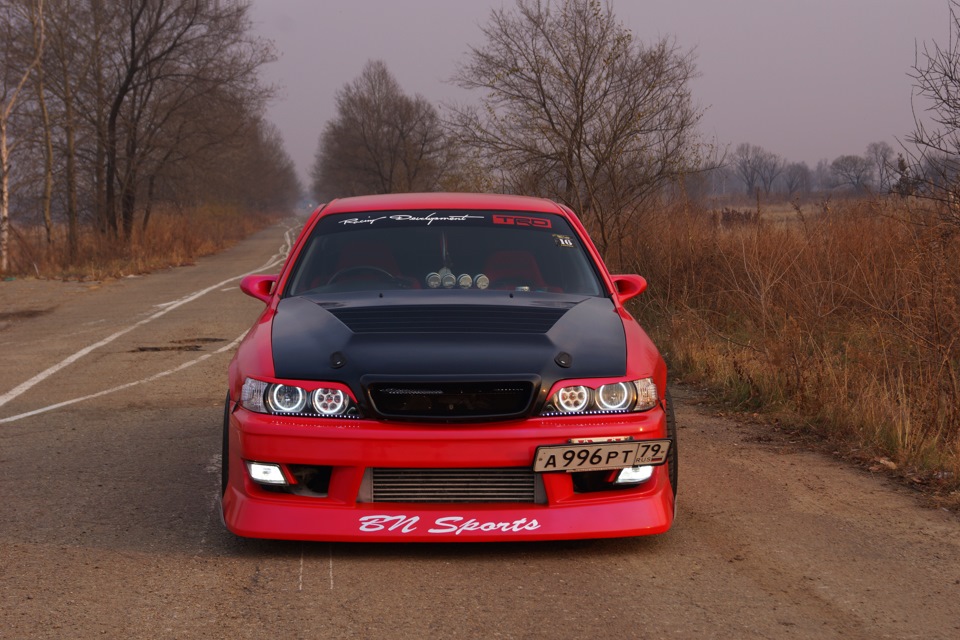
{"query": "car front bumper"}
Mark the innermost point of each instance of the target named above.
(350, 448)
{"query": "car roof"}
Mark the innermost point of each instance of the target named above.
(411, 201)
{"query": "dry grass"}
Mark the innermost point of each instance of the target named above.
(173, 238)
(849, 318)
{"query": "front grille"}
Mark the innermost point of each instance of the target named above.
(451, 400)
(437, 319)
(511, 484)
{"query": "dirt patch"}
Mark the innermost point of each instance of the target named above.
(6, 316)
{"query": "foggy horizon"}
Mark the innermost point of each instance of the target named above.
(807, 81)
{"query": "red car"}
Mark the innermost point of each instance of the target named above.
(447, 367)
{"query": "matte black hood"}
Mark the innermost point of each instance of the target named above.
(465, 335)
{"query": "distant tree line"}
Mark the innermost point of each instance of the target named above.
(572, 107)
(108, 109)
(749, 169)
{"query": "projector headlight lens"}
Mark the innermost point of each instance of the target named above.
(615, 397)
(573, 399)
(284, 398)
(329, 402)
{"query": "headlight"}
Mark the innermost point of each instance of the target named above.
(616, 397)
(330, 402)
(573, 399)
(288, 399)
(284, 398)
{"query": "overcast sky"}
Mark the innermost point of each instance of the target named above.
(806, 79)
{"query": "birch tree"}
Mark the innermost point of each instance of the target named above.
(16, 20)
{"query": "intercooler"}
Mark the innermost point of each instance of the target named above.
(511, 484)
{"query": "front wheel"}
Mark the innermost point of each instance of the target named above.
(225, 448)
(673, 456)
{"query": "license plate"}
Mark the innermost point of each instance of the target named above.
(601, 456)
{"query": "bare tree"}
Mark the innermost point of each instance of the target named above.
(852, 170)
(174, 57)
(68, 62)
(880, 155)
(382, 140)
(769, 169)
(746, 161)
(756, 167)
(15, 20)
(823, 177)
(257, 173)
(575, 108)
(936, 77)
(796, 178)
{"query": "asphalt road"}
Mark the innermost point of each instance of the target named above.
(110, 415)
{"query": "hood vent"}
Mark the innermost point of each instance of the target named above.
(438, 319)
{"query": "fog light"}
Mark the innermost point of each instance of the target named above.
(634, 475)
(264, 473)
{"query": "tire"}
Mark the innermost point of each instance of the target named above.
(225, 448)
(673, 457)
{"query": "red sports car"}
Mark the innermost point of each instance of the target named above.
(447, 367)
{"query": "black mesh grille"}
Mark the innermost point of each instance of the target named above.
(451, 400)
(454, 485)
(438, 319)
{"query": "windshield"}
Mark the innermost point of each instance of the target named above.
(443, 250)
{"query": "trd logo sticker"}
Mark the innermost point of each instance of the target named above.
(522, 221)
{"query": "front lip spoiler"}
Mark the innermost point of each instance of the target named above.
(616, 517)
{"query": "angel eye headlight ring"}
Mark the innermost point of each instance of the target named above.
(573, 399)
(329, 402)
(285, 398)
(618, 396)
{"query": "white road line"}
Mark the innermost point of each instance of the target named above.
(121, 387)
(300, 582)
(331, 566)
(167, 307)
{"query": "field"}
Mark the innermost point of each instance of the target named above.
(841, 316)
(175, 238)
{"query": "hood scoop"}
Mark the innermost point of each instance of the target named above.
(450, 318)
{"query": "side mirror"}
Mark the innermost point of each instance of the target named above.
(260, 287)
(629, 286)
